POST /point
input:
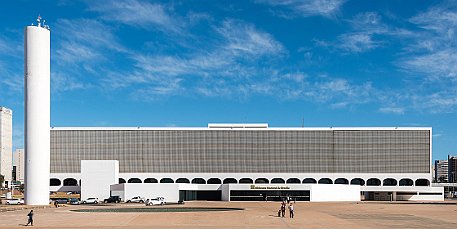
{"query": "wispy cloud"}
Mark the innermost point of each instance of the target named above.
(61, 82)
(357, 42)
(136, 13)
(433, 51)
(298, 8)
(437, 64)
(365, 27)
(246, 39)
(83, 50)
(392, 110)
(220, 70)
(85, 39)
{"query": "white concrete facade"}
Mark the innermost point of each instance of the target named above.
(96, 178)
(322, 192)
(148, 191)
(18, 161)
(6, 144)
(318, 193)
(37, 74)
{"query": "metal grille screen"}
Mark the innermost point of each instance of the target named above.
(244, 151)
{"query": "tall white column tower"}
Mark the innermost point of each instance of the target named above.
(37, 68)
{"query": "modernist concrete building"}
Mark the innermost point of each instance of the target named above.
(6, 144)
(18, 164)
(384, 163)
(441, 171)
(452, 169)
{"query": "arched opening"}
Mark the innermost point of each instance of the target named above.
(183, 180)
(406, 182)
(341, 181)
(230, 181)
(278, 181)
(150, 180)
(70, 182)
(166, 180)
(134, 180)
(422, 182)
(373, 182)
(293, 181)
(358, 181)
(121, 180)
(261, 181)
(54, 182)
(245, 181)
(389, 182)
(325, 181)
(214, 181)
(309, 181)
(198, 181)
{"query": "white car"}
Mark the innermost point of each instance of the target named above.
(90, 201)
(136, 199)
(15, 201)
(155, 201)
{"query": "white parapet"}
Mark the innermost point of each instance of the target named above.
(96, 178)
(37, 114)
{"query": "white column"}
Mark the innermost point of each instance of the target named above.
(37, 114)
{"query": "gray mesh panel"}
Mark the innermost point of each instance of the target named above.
(244, 151)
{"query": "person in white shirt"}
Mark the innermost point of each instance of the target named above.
(291, 210)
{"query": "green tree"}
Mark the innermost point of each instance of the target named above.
(2, 179)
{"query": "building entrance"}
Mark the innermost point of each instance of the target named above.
(269, 195)
(186, 195)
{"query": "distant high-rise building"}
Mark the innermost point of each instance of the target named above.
(18, 163)
(6, 144)
(452, 169)
(441, 171)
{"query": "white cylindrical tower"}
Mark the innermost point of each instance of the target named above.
(37, 66)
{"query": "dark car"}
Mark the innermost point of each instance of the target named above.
(113, 199)
(74, 201)
(61, 201)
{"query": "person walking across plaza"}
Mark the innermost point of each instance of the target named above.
(30, 217)
(291, 210)
(283, 208)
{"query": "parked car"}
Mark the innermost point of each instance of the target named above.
(61, 201)
(15, 201)
(74, 201)
(155, 201)
(112, 199)
(136, 199)
(90, 200)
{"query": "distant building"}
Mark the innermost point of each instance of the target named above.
(18, 165)
(6, 144)
(441, 171)
(452, 169)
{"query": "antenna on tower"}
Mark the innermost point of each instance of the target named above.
(39, 20)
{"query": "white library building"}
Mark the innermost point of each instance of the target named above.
(244, 162)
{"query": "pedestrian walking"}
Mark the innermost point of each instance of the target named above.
(30, 217)
(291, 210)
(283, 209)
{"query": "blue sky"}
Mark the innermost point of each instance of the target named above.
(189, 63)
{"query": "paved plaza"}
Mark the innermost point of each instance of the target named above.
(255, 215)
